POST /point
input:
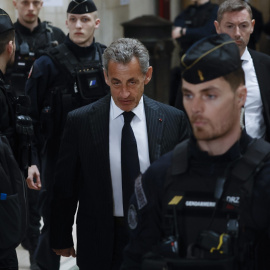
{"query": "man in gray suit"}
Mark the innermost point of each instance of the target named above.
(89, 168)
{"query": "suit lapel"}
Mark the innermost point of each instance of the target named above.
(261, 71)
(155, 121)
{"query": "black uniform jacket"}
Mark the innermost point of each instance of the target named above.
(149, 232)
(84, 166)
(7, 115)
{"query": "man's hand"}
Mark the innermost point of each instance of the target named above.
(176, 32)
(65, 252)
(33, 173)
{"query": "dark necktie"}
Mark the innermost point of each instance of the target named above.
(129, 159)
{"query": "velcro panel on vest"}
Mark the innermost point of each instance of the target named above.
(65, 57)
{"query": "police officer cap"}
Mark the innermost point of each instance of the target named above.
(5, 22)
(210, 58)
(81, 7)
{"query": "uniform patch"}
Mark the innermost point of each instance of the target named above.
(139, 192)
(175, 200)
(30, 72)
(132, 217)
(93, 83)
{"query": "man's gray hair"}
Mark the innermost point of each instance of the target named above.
(231, 6)
(123, 50)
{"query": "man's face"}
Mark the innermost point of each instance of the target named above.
(28, 10)
(238, 25)
(82, 27)
(213, 108)
(127, 83)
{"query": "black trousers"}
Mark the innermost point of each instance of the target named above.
(120, 241)
(44, 255)
(33, 230)
(10, 262)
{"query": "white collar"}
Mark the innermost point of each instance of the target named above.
(246, 55)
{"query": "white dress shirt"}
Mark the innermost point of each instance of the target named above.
(139, 127)
(254, 120)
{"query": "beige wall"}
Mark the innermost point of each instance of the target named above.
(111, 13)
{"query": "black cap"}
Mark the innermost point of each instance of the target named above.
(210, 58)
(5, 22)
(81, 7)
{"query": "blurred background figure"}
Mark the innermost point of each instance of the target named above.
(258, 27)
(192, 24)
(32, 37)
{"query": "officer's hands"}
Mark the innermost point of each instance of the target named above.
(65, 252)
(33, 173)
(176, 32)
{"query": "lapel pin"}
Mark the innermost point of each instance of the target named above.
(160, 120)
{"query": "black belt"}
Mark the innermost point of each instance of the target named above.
(119, 221)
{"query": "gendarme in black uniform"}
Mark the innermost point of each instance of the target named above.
(198, 20)
(197, 186)
(196, 211)
(29, 46)
(64, 78)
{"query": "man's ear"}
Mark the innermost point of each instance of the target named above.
(14, 3)
(97, 23)
(10, 47)
(148, 75)
(216, 23)
(253, 24)
(241, 95)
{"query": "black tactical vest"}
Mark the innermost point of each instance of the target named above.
(84, 84)
(28, 49)
(208, 222)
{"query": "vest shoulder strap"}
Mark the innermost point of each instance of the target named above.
(180, 158)
(252, 160)
(63, 58)
(49, 32)
(100, 48)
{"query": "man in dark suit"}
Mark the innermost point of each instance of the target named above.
(89, 168)
(235, 19)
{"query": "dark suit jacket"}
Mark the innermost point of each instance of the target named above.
(261, 63)
(84, 168)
